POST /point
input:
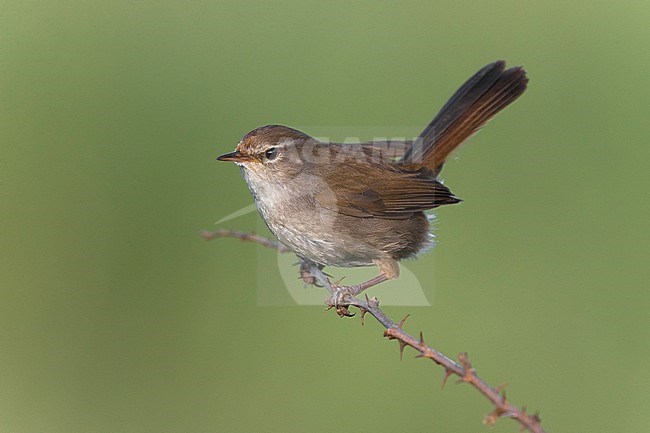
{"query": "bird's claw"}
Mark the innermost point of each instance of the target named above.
(340, 300)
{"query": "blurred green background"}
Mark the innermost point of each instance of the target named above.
(115, 316)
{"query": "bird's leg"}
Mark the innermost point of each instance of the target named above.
(355, 289)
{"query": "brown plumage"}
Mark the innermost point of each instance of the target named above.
(354, 205)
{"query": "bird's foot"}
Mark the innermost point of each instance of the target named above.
(306, 276)
(341, 298)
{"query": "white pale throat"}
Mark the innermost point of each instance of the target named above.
(279, 198)
(286, 205)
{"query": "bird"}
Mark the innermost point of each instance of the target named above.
(349, 205)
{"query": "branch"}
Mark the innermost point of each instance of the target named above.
(244, 236)
(394, 331)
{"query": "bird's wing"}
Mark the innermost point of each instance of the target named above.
(385, 191)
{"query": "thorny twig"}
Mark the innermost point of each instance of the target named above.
(245, 236)
(395, 331)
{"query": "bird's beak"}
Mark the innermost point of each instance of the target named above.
(235, 156)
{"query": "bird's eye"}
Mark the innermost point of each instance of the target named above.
(271, 153)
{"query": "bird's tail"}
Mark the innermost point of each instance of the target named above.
(489, 91)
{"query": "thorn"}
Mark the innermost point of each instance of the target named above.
(364, 310)
(402, 345)
(501, 387)
(536, 418)
(448, 373)
(504, 399)
(423, 353)
(421, 339)
(400, 325)
(362, 314)
(491, 418)
(464, 361)
(463, 358)
(469, 374)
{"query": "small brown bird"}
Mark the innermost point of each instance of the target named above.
(349, 205)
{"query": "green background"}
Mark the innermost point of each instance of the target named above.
(116, 317)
